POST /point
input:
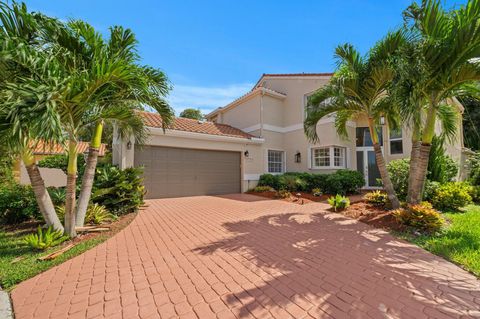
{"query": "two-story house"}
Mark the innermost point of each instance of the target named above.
(260, 132)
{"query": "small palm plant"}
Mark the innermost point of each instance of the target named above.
(44, 239)
(98, 214)
(339, 202)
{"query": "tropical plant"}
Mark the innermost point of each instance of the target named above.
(421, 217)
(339, 202)
(376, 198)
(98, 214)
(436, 65)
(359, 88)
(283, 193)
(441, 167)
(452, 196)
(27, 74)
(120, 191)
(269, 180)
(194, 114)
(44, 239)
(317, 192)
(471, 122)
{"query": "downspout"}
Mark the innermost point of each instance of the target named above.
(261, 111)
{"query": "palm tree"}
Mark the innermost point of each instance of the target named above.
(438, 64)
(23, 121)
(359, 88)
(106, 84)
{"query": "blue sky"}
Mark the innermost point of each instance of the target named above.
(214, 51)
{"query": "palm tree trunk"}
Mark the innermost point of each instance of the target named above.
(89, 175)
(42, 196)
(71, 189)
(412, 196)
(419, 174)
(387, 183)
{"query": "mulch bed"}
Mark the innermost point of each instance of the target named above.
(359, 209)
(372, 215)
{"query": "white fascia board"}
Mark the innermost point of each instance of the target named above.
(205, 137)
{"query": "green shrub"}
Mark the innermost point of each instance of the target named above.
(269, 180)
(441, 167)
(292, 182)
(283, 193)
(317, 192)
(316, 181)
(339, 202)
(343, 182)
(17, 204)
(452, 196)
(398, 171)
(98, 214)
(429, 190)
(474, 168)
(376, 198)
(120, 191)
(475, 193)
(44, 239)
(262, 189)
(421, 217)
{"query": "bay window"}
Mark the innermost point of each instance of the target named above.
(329, 157)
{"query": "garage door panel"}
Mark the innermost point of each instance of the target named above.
(175, 172)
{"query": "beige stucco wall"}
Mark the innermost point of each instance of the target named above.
(252, 166)
(245, 115)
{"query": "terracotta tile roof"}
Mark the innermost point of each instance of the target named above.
(195, 126)
(53, 149)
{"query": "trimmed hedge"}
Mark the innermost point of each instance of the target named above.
(341, 182)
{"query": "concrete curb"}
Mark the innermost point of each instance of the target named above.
(5, 305)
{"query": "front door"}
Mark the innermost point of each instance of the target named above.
(367, 165)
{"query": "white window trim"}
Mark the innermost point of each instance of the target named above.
(331, 155)
(284, 159)
(394, 140)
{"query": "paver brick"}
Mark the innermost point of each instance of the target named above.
(249, 257)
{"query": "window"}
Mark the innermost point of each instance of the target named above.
(328, 157)
(275, 161)
(364, 138)
(396, 142)
(321, 157)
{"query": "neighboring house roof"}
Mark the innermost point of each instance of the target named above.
(249, 95)
(43, 148)
(195, 126)
(270, 75)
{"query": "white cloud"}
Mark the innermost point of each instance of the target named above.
(205, 98)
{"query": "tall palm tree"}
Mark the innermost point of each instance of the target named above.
(438, 64)
(106, 84)
(23, 121)
(359, 88)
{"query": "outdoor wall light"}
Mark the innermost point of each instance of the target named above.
(129, 145)
(246, 153)
(298, 157)
(382, 120)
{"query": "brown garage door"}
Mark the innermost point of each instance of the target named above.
(176, 172)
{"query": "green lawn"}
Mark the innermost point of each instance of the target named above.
(12, 246)
(460, 242)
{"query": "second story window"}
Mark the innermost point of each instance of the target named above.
(396, 142)
(275, 161)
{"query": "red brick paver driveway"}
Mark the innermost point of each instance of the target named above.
(239, 256)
